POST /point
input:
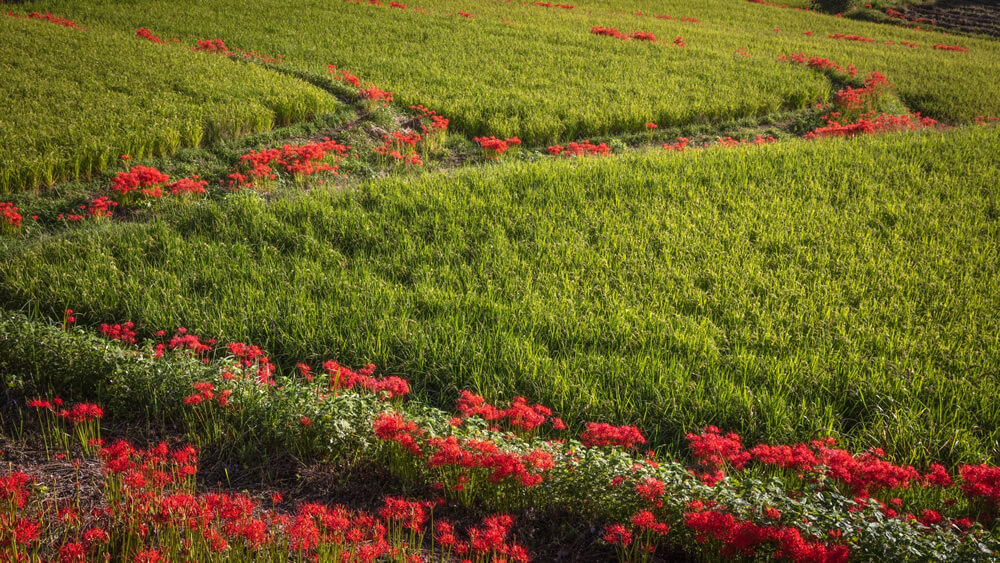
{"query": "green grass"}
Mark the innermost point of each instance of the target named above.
(783, 291)
(77, 99)
(546, 77)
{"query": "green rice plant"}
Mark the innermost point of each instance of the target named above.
(519, 69)
(77, 99)
(783, 291)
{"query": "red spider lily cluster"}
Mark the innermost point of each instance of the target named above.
(437, 122)
(844, 37)
(744, 538)
(11, 218)
(188, 186)
(140, 179)
(402, 147)
(386, 388)
(986, 120)
(150, 511)
(850, 99)
(679, 146)
(397, 5)
(99, 208)
(121, 332)
(464, 467)
(585, 148)
(343, 75)
(943, 47)
(494, 148)
(182, 341)
(76, 414)
(819, 63)
(466, 14)
(743, 52)
(601, 435)
(376, 94)
(61, 424)
(731, 142)
(519, 416)
(48, 17)
(216, 46)
(468, 462)
(206, 393)
(297, 160)
(551, 5)
(636, 35)
(148, 35)
(712, 450)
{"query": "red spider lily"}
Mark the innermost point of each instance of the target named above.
(144, 33)
(843, 37)
(586, 148)
(11, 218)
(519, 415)
(401, 146)
(120, 332)
(438, 122)
(746, 538)
(298, 160)
(651, 126)
(493, 147)
(187, 186)
(14, 489)
(376, 94)
(679, 41)
(305, 371)
(48, 17)
(617, 534)
(609, 32)
(981, 482)
(343, 75)
(342, 377)
(713, 451)
(679, 146)
(863, 98)
(942, 47)
(818, 63)
(743, 52)
(466, 15)
(599, 434)
(873, 125)
(81, 413)
(645, 520)
(652, 490)
(217, 46)
(145, 180)
(551, 5)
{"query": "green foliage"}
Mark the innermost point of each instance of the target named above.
(544, 77)
(781, 291)
(77, 99)
(260, 419)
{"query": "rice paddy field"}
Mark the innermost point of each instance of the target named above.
(497, 281)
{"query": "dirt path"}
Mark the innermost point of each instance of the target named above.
(970, 16)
